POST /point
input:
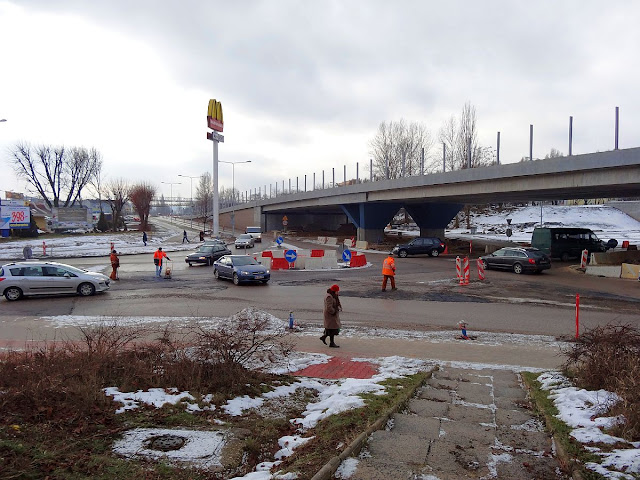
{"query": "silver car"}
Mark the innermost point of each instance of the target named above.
(244, 241)
(46, 278)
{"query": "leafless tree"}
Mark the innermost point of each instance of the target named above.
(398, 147)
(118, 191)
(141, 195)
(204, 195)
(554, 153)
(461, 142)
(57, 174)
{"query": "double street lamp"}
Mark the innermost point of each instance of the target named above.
(233, 192)
(191, 200)
(171, 197)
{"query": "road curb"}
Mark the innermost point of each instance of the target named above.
(329, 468)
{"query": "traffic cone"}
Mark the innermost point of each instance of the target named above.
(446, 249)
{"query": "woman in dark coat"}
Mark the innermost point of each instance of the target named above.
(332, 309)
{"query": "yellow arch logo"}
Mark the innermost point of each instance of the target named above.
(214, 115)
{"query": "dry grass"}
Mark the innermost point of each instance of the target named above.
(608, 357)
(57, 422)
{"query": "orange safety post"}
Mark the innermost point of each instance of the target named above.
(480, 269)
(466, 272)
(583, 259)
(459, 270)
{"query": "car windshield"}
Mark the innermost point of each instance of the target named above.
(254, 230)
(205, 249)
(238, 261)
(74, 269)
(244, 236)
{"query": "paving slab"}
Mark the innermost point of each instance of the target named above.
(369, 470)
(454, 431)
(507, 418)
(420, 427)
(408, 449)
(509, 392)
(521, 466)
(465, 460)
(471, 391)
(442, 383)
(469, 414)
(522, 440)
(428, 408)
(435, 394)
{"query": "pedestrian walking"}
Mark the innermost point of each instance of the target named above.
(157, 260)
(332, 308)
(201, 236)
(389, 272)
(184, 237)
(115, 264)
(144, 238)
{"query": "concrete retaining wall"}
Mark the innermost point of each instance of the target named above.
(615, 258)
(609, 271)
(313, 263)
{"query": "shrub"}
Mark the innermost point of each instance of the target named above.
(608, 357)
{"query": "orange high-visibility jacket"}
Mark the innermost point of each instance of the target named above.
(159, 255)
(389, 266)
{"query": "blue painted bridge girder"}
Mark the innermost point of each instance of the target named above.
(371, 218)
(432, 218)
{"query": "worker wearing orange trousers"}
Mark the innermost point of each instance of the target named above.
(388, 272)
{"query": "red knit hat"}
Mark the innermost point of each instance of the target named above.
(334, 288)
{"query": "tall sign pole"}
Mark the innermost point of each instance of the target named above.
(216, 123)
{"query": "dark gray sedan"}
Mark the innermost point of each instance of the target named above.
(240, 268)
(518, 259)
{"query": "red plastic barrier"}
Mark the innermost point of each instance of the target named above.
(267, 253)
(358, 261)
(317, 253)
(279, 264)
(625, 244)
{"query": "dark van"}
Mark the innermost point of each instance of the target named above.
(565, 242)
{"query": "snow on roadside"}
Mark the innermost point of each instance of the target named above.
(585, 411)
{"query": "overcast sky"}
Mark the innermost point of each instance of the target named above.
(304, 85)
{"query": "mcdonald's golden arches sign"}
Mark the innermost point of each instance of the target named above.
(214, 115)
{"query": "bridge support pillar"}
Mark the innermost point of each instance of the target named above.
(370, 219)
(433, 218)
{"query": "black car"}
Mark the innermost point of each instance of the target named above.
(432, 246)
(518, 259)
(207, 254)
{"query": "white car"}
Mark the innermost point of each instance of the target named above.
(255, 232)
(244, 241)
(46, 278)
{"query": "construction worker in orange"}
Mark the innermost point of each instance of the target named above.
(157, 259)
(389, 272)
(115, 263)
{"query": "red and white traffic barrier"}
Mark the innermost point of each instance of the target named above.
(111, 247)
(465, 270)
(44, 249)
(480, 269)
(459, 270)
(583, 260)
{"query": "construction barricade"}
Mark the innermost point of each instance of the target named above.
(279, 264)
(267, 253)
(466, 272)
(317, 253)
(480, 264)
(358, 261)
(459, 270)
(583, 259)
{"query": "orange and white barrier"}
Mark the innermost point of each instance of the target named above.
(466, 273)
(111, 247)
(44, 249)
(459, 270)
(480, 269)
(583, 260)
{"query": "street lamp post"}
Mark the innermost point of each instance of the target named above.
(171, 184)
(191, 199)
(233, 192)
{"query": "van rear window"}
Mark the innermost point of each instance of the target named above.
(254, 230)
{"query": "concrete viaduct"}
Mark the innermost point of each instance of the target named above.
(433, 200)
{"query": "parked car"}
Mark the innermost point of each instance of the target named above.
(432, 246)
(244, 241)
(518, 259)
(565, 243)
(44, 278)
(207, 254)
(240, 268)
(255, 232)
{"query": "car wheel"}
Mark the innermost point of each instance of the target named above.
(216, 274)
(434, 253)
(265, 281)
(190, 264)
(564, 257)
(517, 268)
(12, 294)
(86, 289)
(402, 254)
(236, 280)
(485, 265)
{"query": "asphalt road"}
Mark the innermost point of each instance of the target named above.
(428, 298)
